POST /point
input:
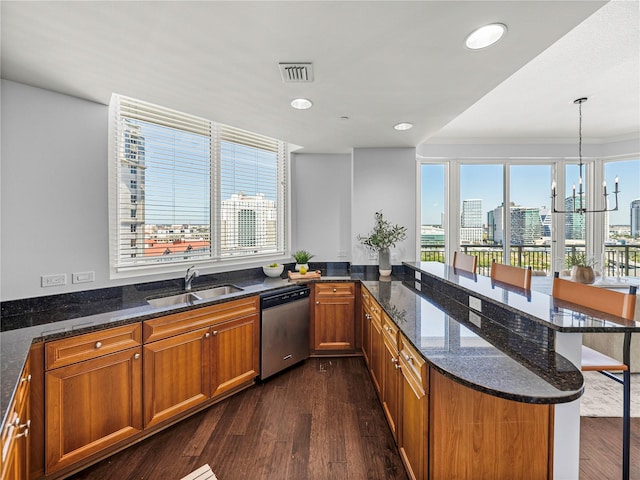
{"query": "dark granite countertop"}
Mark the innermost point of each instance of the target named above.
(535, 306)
(475, 350)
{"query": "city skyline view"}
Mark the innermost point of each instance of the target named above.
(530, 187)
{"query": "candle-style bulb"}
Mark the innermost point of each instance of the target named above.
(604, 186)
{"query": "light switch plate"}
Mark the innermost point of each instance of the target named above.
(475, 319)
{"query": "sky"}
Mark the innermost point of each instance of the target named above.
(530, 187)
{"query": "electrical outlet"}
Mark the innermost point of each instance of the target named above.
(83, 277)
(53, 280)
(475, 319)
(475, 303)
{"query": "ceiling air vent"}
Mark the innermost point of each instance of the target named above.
(296, 72)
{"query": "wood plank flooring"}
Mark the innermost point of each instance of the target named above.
(601, 448)
(321, 420)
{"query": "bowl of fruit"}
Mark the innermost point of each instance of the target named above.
(273, 270)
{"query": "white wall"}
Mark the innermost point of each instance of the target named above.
(321, 206)
(54, 190)
(384, 179)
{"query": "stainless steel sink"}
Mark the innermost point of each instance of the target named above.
(217, 291)
(190, 297)
(172, 300)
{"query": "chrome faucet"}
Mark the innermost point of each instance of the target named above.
(188, 278)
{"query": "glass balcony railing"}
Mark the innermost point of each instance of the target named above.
(623, 260)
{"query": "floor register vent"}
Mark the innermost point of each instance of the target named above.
(296, 72)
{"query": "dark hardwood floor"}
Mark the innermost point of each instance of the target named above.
(321, 421)
(601, 448)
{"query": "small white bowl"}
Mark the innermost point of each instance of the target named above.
(273, 271)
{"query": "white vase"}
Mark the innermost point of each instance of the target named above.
(305, 265)
(384, 262)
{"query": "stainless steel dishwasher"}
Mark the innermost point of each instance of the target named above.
(284, 329)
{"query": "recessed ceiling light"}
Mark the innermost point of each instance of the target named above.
(485, 36)
(301, 103)
(403, 126)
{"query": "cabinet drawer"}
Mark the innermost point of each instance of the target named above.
(413, 367)
(390, 332)
(91, 345)
(169, 325)
(338, 289)
(366, 298)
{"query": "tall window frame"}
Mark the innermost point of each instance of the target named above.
(187, 190)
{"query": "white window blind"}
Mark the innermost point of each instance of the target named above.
(189, 189)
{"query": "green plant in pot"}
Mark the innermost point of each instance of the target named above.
(581, 267)
(302, 259)
(383, 236)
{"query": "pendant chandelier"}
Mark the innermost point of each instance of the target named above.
(578, 205)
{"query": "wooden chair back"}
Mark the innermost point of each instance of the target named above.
(516, 276)
(465, 262)
(601, 299)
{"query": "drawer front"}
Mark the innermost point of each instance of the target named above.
(338, 289)
(70, 350)
(170, 325)
(366, 298)
(413, 366)
(390, 332)
(376, 313)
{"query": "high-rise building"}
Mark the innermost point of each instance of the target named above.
(525, 222)
(131, 202)
(471, 221)
(635, 218)
(248, 223)
(574, 223)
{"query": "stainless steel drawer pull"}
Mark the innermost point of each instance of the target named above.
(24, 434)
(136, 356)
(98, 344)
(26, 379)
(408, 358)
(207, 335)
(367, 316)
(27, 424)
(215, 332)
(335, 290)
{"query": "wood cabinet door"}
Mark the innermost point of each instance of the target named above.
(334, 325)
(92, 405)
(235, 353)
(377, 346)
(176, 375)
(390, 386)
(366, 335)
(15, 438)
(413, 427)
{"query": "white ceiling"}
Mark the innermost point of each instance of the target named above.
(377, 62)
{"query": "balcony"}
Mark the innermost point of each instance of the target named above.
(623, 260)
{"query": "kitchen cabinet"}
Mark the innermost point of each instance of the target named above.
(333, 319)
(14, 463)
(413, 426)
(193, 356)
(390, 374)
(377, 347)
(176, 375)
(366, 325)
(93, 385)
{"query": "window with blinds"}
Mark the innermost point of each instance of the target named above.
(189, 189)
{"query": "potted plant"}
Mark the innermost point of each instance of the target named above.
(383, 236)
(302, 259)
(581, 267)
